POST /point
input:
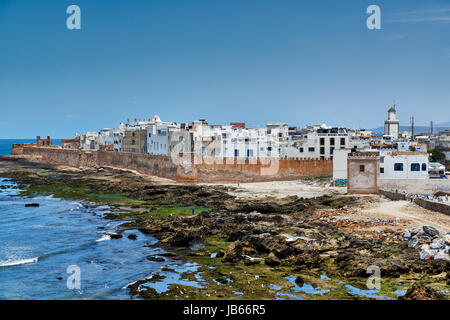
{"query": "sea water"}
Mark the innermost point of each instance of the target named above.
(39, 244)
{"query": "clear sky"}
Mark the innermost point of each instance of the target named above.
(293, 61)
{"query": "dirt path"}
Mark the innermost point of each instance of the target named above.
(281, 189)
(410, 214)
(378, 214)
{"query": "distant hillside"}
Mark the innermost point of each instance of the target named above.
(417, 129)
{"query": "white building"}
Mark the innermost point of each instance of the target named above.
(340, 166)
(106, 136)
(180, 141)
(406, 145)
(90, 141)
(391, 125)
(118, 137)
(403, 165)
(316, 142)
(158, 136)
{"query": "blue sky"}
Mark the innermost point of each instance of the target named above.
(295, 61)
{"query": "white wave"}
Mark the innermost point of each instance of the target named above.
(129, 285)
(17, 262)
(104, 237)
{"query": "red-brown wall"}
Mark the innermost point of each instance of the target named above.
(232, 170)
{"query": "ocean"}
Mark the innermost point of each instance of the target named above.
(44, 250)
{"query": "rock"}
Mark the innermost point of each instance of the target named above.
(441, 255)
(426, 253)
(309, 258)
(437, 244)
(419, 291)
(233, 253)
(430, 231)
(387, 230)
(31, 205)
(406, 235)
(248, 261)
(180, 238)
(447, 238)
(299, 281)
(414, 242)
(220, 254)
(156, 259)
(115, 236)
(272, 260)
(132, 237)
(260, 207)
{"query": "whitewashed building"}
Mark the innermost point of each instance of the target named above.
(158, 136)
(106, 136)
(403, 165)
(90, 141)
(316, 142)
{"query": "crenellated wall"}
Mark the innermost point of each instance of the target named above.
(246, 170)
(232, 170)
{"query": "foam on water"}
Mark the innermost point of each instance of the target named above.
(18, 262)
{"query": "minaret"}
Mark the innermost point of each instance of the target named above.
(391, 125)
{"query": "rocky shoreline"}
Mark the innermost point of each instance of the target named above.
(250, 249)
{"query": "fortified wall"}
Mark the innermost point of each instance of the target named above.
(186, 169)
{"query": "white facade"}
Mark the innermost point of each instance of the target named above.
(391, 125)
(340, 164)
(158, 139)
(316, 143)
(106, 136)
(118, 138)
(403, 165)
(180, 141)
(90, 141)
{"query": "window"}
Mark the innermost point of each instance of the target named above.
(322, 141)
(381, 170)
(331, 150)
(332, 141)
(342, 141)
(301, 149)
(361, 168)
(398, 166)
(381, 159)
(236, 152)
(415, 166)
(322, 150)
(424, 167)
(311, 149)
